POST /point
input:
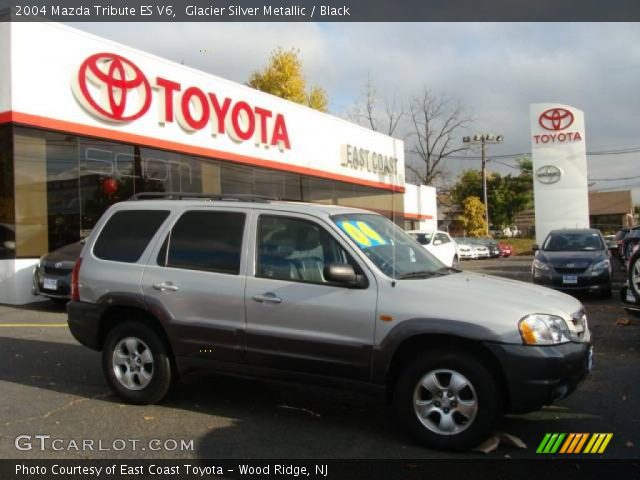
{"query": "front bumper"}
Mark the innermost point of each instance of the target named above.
(540, 375)
(584, 281)
(61, 279)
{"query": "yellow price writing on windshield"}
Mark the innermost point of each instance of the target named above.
(361, 233)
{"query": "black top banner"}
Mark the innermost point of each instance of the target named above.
(320, 10)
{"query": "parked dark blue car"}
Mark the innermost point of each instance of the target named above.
(573, 260)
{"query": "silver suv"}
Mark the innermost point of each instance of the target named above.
(319, 293)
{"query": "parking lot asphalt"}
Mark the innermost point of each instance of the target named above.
(51, 385)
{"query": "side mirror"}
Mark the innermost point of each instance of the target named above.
(344, 274)
(9, 245)
(437, 242)
(535, 247)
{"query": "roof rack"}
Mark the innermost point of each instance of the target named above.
(205, 196)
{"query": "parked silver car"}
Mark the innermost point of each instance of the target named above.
(319, 293)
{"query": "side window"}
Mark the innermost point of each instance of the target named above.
(297, 250)
(205, 240)
(442, 237)
(127, 234)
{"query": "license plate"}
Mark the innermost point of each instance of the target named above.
(590, 360)
(630, 298)
(50, 284)
(570, 279)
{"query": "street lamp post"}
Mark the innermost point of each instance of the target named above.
(483, 140)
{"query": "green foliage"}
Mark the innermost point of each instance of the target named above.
(507, 195)
(473, 217)
(283, 78)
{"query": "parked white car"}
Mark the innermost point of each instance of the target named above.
(466, 248)
(478, 248)
(471, 248)
(440, 244)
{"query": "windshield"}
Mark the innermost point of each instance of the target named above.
(394, 252)
(573, 242)
(422, 238)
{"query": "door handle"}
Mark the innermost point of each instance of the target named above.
(267, 298)
(166, 287)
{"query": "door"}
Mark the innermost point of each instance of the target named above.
(296, 319)
(196, 281)
(445, 249)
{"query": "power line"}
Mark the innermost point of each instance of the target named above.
(614, 179)
(620, 151)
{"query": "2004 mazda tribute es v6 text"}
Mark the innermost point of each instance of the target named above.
(327, 294)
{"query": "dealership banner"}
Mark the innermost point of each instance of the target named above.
(323, 10)
(559, 168)
(56, 77)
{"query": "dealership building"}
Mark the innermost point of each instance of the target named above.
(86, 122)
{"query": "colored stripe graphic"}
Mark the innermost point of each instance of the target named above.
(573, 443)
(543, 443)
(598, 442)
(550, 443)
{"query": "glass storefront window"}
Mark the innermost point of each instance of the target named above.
(7, 211)
(64, 183)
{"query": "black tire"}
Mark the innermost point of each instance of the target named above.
(634, 271)
(160, 372)
(487, 393)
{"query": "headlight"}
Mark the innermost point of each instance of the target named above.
(603, 265)
(537, 264)
(540, 329)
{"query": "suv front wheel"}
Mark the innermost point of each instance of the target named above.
(136, 363)
(447, 400)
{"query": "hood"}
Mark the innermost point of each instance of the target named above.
(494, 303)
(68, 253)
(578, 259)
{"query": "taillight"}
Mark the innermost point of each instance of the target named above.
(75, 274)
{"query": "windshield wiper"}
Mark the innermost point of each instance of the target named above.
(449, 269)
(419, 274)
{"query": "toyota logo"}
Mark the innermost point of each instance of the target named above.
(548, 174)
(556, 119)
(112, 88)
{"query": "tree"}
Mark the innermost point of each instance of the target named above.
(437, 123)
(366, 112)
(473, 217)
(283, 78)
(507, 195)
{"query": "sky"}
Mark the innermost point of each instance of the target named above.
(494, 69)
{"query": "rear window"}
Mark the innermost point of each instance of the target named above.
(127, 234)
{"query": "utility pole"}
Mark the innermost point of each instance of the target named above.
(484, 184)
(483, 140)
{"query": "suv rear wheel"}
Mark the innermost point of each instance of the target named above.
(136, 363)
(447, 400)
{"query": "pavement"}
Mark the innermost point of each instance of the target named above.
(50, 385)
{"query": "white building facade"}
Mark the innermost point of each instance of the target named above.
(86, 122)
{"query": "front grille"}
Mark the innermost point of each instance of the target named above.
(570, 270)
